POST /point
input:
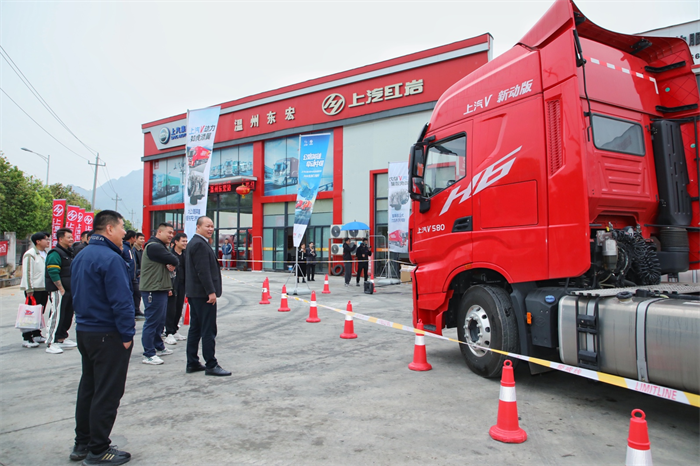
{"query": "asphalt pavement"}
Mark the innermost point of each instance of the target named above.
(299, 394)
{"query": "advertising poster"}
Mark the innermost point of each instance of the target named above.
(312, 158)
(59, 209)
(201, 131)
(399, 207)
(282, 167)
(87, 221)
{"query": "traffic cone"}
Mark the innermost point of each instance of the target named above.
(284, 307)
(265, 299)
(326, 290)
(313, 310)
(267, 286)
(420, 361)
(507, 429)
(349, 330)
(186, 317)
(638, 446)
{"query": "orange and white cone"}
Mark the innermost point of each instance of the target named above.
(284, 307)
(349, 330)
(420, 359)
(507, 428)
(326, 289)
(313, 310)
(638, 446)
(267, 285)
(265, 299)
(186, 316)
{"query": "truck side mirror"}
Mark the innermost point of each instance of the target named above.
(416, 189)
(417, 160)
(417, 168)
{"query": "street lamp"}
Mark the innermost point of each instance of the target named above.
(47, 159)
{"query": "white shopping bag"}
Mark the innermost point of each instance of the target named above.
(29, 316)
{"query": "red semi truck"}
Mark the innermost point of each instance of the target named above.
(551, 189)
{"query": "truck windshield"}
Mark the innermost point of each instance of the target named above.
(618, 135)
(445, 164)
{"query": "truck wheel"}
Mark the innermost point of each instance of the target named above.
(486, 318)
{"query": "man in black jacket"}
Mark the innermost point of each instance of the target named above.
(348, 249)
(84, 240)
(57, 281)
(363, 254)
(177, 300)
(203, 286)
(129, 250)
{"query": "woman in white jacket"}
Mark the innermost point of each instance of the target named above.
(33, 270)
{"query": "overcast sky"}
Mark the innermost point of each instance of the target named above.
(106, 67)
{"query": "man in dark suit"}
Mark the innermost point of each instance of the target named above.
(202, 287)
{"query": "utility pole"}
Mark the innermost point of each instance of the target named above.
(97, 164)
(131, 212)
(116, 203)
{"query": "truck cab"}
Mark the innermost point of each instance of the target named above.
(568, 162)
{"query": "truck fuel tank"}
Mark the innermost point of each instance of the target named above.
(643, 336)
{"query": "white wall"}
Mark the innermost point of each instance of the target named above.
(371, 146)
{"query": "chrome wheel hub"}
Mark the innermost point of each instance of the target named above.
(477, 330)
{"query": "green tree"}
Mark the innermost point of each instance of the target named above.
(23, 206)
(59, 191)
(26, 203)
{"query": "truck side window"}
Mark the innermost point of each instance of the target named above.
(445, 164)
(618, 135)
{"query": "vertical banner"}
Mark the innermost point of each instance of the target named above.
(79, 225)
(399, 207)
(59, 209)
(87, 221)
(312, 158)
(201, 130)
(72, 217)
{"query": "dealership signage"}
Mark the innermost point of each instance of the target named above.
(170, 135)
(373, 98)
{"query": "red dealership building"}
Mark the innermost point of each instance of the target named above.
(373, 114)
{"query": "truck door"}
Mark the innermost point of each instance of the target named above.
(442, 228)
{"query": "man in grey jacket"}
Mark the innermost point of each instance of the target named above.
(157, 263)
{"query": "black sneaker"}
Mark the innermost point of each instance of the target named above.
(109, 456)
(79, 452)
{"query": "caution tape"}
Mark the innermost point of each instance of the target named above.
(658, 391)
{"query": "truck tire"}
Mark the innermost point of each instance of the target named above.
(486, 318)
(338, 270)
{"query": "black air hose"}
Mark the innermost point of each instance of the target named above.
(645, 261)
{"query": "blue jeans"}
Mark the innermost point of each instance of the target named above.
(155, 312)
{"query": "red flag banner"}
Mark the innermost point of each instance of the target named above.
(72, 217)
(88, 218)
(79, 225)
(3, 247)
(59, 209)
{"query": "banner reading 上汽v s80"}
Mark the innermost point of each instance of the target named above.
(312, 158)
(399, 207)
(201, 130)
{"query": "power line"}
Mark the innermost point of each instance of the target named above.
(54, 137)
(33, 90)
